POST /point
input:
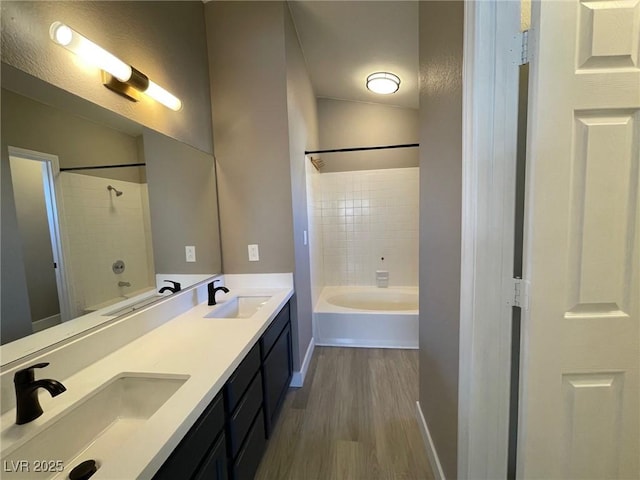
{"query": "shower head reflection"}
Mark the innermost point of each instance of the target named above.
(118, 192)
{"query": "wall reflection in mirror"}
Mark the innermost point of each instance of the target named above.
(76, 214)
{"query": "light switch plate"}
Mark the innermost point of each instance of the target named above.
(254, 254)
(190, 253)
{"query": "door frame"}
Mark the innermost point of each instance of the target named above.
(491, 55)
(55, 214)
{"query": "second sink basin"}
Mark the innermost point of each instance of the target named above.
(238, 307)
(96, 425)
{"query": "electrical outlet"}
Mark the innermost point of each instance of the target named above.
(254, 254)
(190, 253)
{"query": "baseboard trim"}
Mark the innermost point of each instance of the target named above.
(297, 380)
(434, 461)
(364, 344)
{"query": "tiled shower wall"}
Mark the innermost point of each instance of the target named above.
(369, 222)
(100, 228)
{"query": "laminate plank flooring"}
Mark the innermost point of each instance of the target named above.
(354, 419)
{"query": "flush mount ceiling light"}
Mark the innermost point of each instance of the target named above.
(116, 74)
(383, 83)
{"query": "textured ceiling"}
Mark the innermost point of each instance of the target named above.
(344, 41)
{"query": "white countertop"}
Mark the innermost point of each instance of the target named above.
(208, 350)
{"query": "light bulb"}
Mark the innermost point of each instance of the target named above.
(159, 94)
(89, 52)
(61, 33)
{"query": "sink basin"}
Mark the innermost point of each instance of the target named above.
(94, 426)
(238, 307)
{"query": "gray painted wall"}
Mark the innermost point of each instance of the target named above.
(250, 123)
(264, 118)
(30, 124)
(182, 204)
(345, 124)
(303, 135)
(164, 40)
(441, 42)
(31, 212)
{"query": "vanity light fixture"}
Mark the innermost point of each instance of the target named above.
(383, 83)
(116, 74)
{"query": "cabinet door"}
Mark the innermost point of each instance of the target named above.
(214, 466)
(277, 370)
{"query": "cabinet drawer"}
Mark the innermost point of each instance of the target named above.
(243, 417)
(196, 443)
(214, 466)
(241, 378)
(274, 330)
(248, 460)
(277, 369)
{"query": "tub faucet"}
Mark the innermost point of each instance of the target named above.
(27, 405)
(176, 287)
(212, 289)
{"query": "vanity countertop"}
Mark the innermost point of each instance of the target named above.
(207, 350)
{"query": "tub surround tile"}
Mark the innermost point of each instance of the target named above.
(366, 216)
(100, 228)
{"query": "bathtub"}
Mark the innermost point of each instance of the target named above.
(367, 317)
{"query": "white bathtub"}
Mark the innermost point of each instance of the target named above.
(367, 317)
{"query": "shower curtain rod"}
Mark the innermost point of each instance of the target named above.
(70, 169)
(359, 149)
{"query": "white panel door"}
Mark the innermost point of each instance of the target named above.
(580, 385)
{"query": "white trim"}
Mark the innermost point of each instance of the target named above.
(434, 460)
(297, 380)
(490, 91)
(351, 343)
(55, 214)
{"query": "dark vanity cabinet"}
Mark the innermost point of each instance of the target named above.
(228, 440)
(202, 452)
(277, 366)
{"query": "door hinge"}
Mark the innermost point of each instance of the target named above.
(520, 294)
(524, 53)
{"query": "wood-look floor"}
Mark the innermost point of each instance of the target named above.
(354, 419)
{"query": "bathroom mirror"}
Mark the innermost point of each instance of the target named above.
(80, 242)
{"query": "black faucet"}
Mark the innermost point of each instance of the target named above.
(176, 287)
(212, 289)
(27, 405)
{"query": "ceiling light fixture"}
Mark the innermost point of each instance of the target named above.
(383, 83)
(116, 74)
